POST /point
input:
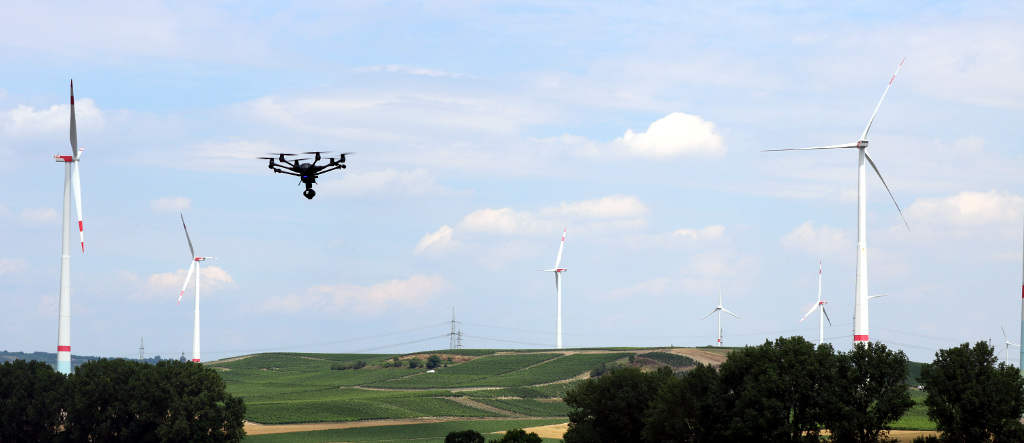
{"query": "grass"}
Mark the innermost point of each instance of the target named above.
(674, 360)
(420, 432)
(283, 388)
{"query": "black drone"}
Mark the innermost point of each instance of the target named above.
(307, 172)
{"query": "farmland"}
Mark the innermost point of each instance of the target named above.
(485, 390)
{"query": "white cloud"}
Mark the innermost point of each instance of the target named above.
(171, 204)
(674, 135)
(213, 277)
(435, 241)
(613, 206)
(12, 265)
(24, 120)
(407, 70)
(677, 237)
(501, 221)
(969, 208)
(417, 290)
(35, 216)
(417, 182)
(817, 240)
(713, 232)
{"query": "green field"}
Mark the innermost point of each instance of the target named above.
(485, 390)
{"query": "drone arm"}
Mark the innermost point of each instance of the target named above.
(330, 168)
(287, 172)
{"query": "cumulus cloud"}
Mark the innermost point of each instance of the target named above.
(614, 212)
(26, 120)
(12, 265)
(170, 204)
(417, 182)
(678, 237)
(969, 208)
(407, 70)
(814, 239)
(499, 221)
(213, 277)
(613, 206)
(435, 241)
(713, 232)
(674, 135)
(35, 216)
(414, 291)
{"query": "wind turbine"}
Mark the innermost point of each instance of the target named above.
(1006, 346)
(195, 267)
(71, 180)
(860, 311)
(719, 310)
(823, 315)
(558, 289)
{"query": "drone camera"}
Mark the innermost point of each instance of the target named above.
(309, 193)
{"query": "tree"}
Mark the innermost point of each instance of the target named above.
(869, 394)
(467, 436)
(31, 395)
(123, 400)
(433, 361)
(612, 408)
(694, 408)
(415, 362)
(971, 398)
(518, 436)
(776, 389)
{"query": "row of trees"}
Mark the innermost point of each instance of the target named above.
(790, 390)
(117, 400)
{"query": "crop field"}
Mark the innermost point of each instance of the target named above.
(420, 433)
(485, 390)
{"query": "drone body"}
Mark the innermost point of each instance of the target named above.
(307, 172)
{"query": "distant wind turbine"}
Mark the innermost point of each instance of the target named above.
(71, 180)
(860, 312)
(719, 310)
(558, 289)
(195, 267)
(824, 315)
(1006, 347)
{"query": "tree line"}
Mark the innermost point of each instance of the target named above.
(117, 400)
(790, 390)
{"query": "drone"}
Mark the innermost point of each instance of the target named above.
(307, 172)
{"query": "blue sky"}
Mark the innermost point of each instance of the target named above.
(481, 130)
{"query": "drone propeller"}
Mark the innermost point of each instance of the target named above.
(317, 154)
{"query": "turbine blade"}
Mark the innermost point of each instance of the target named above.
(823, 311)
(808, 313)
(560, 246)
(886, 187)
(76, 184)
(842, 146)
(193, 251)
(868, 128)
(730, 313)
(709, 314)
(819, 281)
(187, 278)
(74, 126)
(1004, 335)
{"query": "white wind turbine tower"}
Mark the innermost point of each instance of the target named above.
(1006, 346)
(719, 310)
(195, 267)
(860, 311)
(558, 289)
(71, 180)
(823, 315)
